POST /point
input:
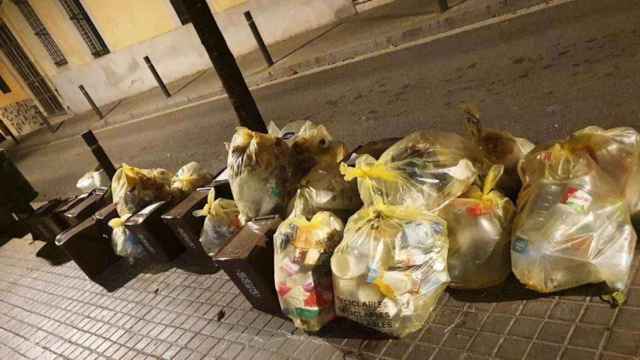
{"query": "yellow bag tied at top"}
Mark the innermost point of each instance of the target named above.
(479, 228)
(573, 225)
(189, 178)
(258, 173)
(222, 222)
(425, 169)
(302, 272)
(391, 268)
(133, 188)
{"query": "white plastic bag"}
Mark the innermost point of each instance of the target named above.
(93, 180)
(125, 243)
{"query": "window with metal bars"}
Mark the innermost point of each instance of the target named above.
(85, 26)
(41, 32)
(4, 87)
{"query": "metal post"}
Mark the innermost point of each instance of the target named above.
(97, 150)
(443, 5)
(225, 64)
(44, 119)
(91, 102)
(256, 34)
(153, 70)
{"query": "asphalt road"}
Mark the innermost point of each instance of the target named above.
(540, 76)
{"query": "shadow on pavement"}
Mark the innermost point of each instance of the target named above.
(54, 255)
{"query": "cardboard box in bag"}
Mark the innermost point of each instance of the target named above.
(248, 261)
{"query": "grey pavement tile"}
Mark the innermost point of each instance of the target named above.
(578, 354)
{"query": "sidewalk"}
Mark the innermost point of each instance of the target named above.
(384, 27)
(55, 312)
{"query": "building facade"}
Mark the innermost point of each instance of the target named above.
(50, 47)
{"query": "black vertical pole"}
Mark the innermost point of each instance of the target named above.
(256, 34)
(97, 150)
(225, 64)
(155, 74)
(443, 5)
(90, 101)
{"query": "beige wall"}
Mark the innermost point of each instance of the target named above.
(17, 91)
(126, 22)
(222, 5)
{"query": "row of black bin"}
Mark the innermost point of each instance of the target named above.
(80, 227)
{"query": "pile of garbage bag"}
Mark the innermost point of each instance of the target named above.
(303, 248)
(221, 223)
(573, 225)
(188, 179)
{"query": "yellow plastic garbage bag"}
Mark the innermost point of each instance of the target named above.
(258, 173)
(499, 147)
(617, 152)
(303, 250)
(134, 188)
(573, 226)
(189, 178)
(425, 169)
(124, 242)
(325, 189)
(221, 223)
(311, 145)
(390, 268)
(479, 224)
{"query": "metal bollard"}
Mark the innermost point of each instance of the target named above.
(256, 34)
(98, 152)
(91, 102)
(153, 70)
(46, 121)
(443, 5)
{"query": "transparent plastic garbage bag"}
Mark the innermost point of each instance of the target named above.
(390, 268)
(134, 188)
(573, 226)
(258, 173)
(302, 271)
(124, 242)
(325, 189)
(425, 169)
(617, 152)
(499, 147)
(189, 178)
(93, 180)
(479, 227)
(221, 223)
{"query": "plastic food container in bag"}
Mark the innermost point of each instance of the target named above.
(258, 173)
(573, 226)
(221, 223)
(425, 169)
(303, 249)
(390, 268)
(617, 152)
(479, 227)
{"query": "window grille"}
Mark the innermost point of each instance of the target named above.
(41, 32)
(85, 27)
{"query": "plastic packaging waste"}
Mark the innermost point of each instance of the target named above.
(425, 169)
(499, 147)
(617, 152)
(391, 268)
(325, 189)
(479, 228)
(124, 242)
(189, 178)
(134, 188)
(303, 249)
(573, 226)
(258, 173)
(93, 180)
(221, 223)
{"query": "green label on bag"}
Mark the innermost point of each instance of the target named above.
(520, 245)
(307, 313)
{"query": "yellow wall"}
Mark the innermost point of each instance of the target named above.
(126, 22)
(222, 5)
(17, 91)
